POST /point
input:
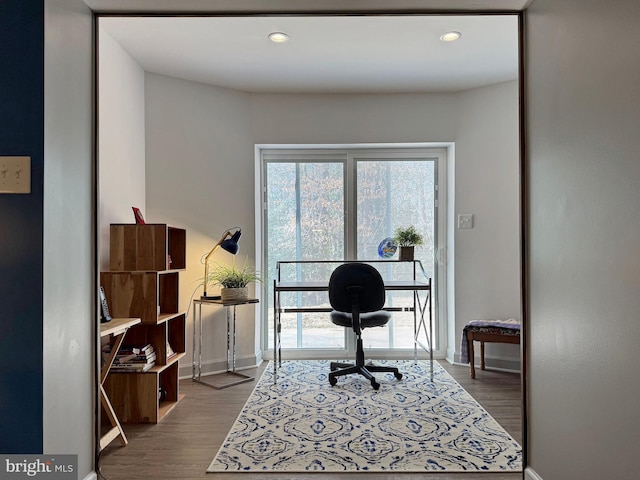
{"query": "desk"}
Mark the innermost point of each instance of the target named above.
(196, 371)
(116, 327)
(420, 306)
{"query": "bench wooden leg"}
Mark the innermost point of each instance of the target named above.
(483, 337)
(471, 354)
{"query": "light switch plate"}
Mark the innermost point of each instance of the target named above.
(465, 220)
(15, 174)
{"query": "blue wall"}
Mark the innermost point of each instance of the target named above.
(21, 227)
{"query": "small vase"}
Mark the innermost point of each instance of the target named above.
(406, 254)
(234, 294)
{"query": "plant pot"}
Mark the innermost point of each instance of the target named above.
(406, 254)
(234, 294)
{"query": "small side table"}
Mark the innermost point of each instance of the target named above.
(196, 372)
(116, 327)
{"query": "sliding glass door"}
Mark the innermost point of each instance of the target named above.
(396, 191)
(337, 204)
(304, 220)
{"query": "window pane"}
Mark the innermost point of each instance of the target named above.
(391, 194)
(305, 221)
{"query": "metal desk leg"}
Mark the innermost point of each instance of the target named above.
(277, 353)
(421, 325)
(415, 329)
(275, 341)
(430, 334)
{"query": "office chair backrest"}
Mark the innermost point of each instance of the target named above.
(361, 280)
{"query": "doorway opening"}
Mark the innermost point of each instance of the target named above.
(199, 137)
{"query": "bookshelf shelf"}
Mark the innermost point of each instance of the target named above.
(145, 262)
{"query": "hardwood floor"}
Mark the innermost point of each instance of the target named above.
(185, 442)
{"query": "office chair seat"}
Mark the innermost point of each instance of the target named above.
(356, 294)
(373, 319)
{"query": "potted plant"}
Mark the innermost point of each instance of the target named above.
(234, 280)
(407, 239)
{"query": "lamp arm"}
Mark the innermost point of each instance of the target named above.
(205, 281)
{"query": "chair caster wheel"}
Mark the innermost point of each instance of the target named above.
(398, 375)
(374, 384)
(332, 380)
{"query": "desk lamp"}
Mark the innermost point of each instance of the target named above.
(228, 242)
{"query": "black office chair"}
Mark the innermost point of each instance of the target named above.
(356, 294)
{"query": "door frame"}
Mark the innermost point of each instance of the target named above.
(173, 8)
(362, 152)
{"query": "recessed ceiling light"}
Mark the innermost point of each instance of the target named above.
(450, 36)
(278, 37)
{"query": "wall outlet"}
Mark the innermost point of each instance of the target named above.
(15, 174)
(465, 220)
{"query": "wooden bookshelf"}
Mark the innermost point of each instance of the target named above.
(145, 262)
(154, 246)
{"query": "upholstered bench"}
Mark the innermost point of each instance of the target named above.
(497, 331)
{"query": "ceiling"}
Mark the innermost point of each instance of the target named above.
(325, 54)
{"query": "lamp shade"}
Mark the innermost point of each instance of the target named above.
(231, 244)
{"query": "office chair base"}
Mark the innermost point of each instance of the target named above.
(341, 369)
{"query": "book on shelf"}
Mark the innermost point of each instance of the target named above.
(132, 367)
(147, 348)
(134, 359)
(123, 358)
(138, 350)
(131, 354)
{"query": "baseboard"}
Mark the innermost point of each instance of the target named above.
(220, 366)
(489, 367)
(450, 356)
(530, 474)
(500, 364)
(91, 476)
(370, 353)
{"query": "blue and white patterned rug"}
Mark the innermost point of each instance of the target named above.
(302, 424)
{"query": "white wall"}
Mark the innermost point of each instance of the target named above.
(487, 185)
(70, 318)
(353, 118)
(484, 125)
(583, 119)
(200, 155)
(121, 144)
(200, 177)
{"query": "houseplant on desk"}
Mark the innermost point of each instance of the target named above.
(407, 239)
(234, 280)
